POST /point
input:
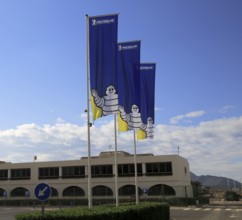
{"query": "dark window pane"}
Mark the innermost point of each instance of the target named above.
(49, 173)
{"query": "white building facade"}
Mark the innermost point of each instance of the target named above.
(159, 176)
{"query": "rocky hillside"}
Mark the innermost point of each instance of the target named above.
(215, 181)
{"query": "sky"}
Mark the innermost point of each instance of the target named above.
(196, 46)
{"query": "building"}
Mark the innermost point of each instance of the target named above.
(158, 177)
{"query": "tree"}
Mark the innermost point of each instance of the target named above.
(232, 196)
(196, 187)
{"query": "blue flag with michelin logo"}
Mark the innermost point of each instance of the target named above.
(147, 94)
(129, 117)
(103, 34)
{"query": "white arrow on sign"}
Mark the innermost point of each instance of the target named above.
(42, 192)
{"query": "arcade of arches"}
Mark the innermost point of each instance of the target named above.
(100, 190)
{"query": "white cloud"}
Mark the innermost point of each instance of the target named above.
(225, 109)
(212, 147)
(157, 109)
(189, 115)
(84, 116)
(60, 120)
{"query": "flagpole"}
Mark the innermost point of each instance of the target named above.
(89, 193)
(135, 172)
(115, 161)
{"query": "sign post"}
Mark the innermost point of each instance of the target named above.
(5, 195)
(145, 192)
(42, 193)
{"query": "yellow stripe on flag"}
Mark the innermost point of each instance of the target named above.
(96, 111)
(122, 125)
(141, 135)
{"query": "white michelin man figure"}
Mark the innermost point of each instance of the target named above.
(133, 119)
(149, 128)
(109, 102)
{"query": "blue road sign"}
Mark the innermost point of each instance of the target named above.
(42, 191)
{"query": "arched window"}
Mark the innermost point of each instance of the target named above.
(20, 192)
(2, 192)
(73, 191)
(161, 190)
(101, 191)
(54, 192)
(128, 190)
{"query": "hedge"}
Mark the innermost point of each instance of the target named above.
(143, 211)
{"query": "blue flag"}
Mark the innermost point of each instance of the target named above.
(129, 86)
(103, 34)
(147, 94)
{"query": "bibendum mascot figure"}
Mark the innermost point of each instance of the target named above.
(108, 103)
(149, 128)
(133, 119)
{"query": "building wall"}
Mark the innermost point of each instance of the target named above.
(179, 181)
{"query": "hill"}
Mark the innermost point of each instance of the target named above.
(215, 181)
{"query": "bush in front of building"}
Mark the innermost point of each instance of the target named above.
(176, 201)
(143, 211)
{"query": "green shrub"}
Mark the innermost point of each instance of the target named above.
(143, 211)
(232, 196)
(186, 201)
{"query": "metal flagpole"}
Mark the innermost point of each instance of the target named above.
(88, 119)
(135, 172)
(115, 161)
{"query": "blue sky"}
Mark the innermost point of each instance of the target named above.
(198, 50)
